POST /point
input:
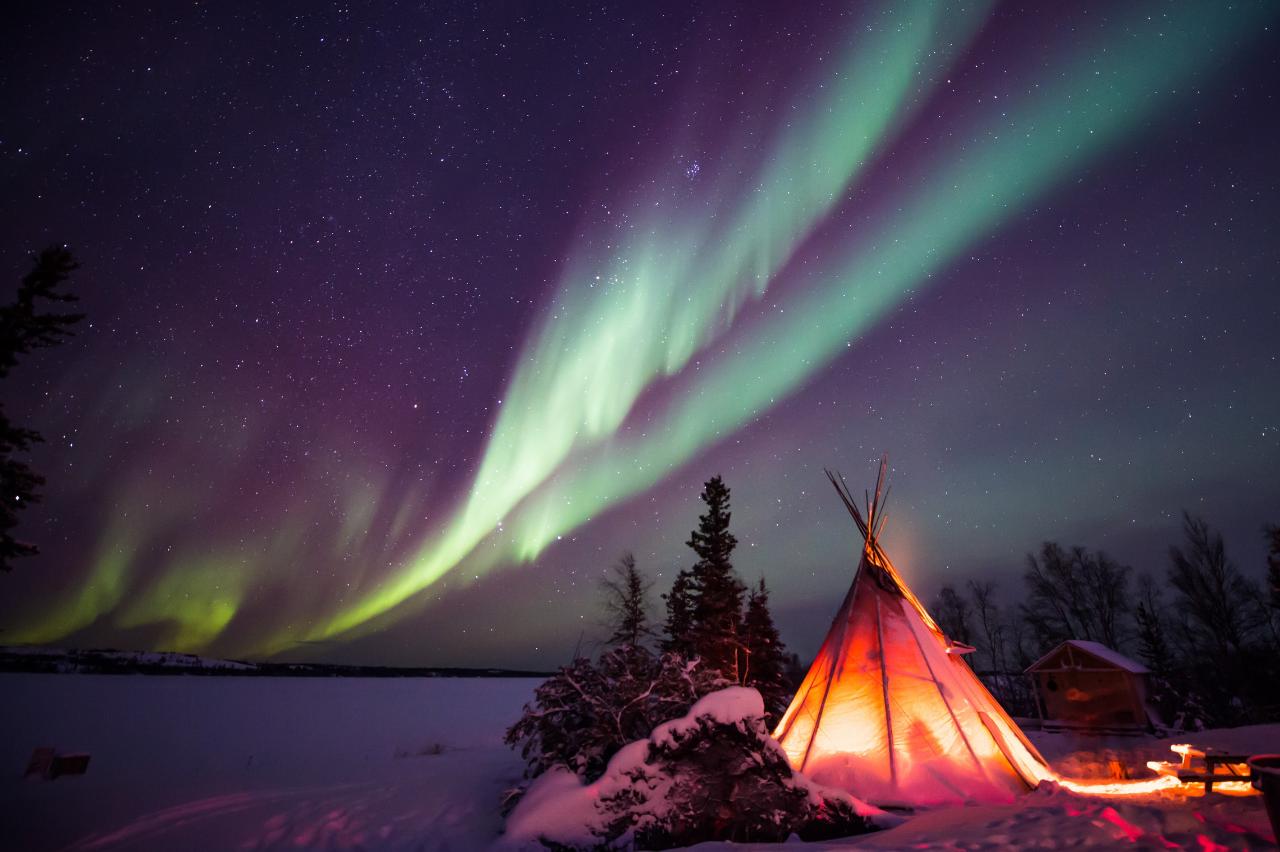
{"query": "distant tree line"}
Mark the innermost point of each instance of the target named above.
(1209, 634)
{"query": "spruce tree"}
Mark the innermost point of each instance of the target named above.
(765, 667)
(626, 603)
(25, 326)
(679, 615)
(1152, 646)
(716, 629)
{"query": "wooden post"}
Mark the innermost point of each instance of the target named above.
(1035, 690)
(884, 684)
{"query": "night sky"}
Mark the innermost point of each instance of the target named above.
(406, 321)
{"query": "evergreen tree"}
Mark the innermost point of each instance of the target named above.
(793, 671)
(1172, 695)
(585, 712)
(24, 327)
(679, 622)
(716, 774)
(716, 631)
(626, 602)
(1152, 646)
(765, 667)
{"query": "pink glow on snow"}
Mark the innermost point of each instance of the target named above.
(1127, 828)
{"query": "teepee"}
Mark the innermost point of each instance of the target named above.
(889, 710)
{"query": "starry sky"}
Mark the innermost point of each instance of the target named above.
(406, 320)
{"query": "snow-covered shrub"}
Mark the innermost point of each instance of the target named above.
(714, 774)
(586, 711)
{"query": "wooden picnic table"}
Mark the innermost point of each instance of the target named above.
(1214, 761)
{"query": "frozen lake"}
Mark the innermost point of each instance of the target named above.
(324, 762)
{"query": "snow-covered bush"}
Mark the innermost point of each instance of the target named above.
(586, 711)
(714, 774)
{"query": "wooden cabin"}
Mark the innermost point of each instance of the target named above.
(1086, 686)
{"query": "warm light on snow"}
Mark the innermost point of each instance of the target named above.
(1167, 780)
(1120, 788)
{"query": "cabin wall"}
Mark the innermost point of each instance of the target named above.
(1090, 698)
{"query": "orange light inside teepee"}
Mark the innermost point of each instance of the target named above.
(889, 712)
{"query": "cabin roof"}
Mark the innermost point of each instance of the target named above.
(1096, 649)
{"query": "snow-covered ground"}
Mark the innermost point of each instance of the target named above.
(345, 763)
(232, 763)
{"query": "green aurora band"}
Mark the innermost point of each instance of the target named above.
(1027, 151)
(668, 299)
(679, 275)
(560, 452)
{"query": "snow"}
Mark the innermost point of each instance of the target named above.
(258, 762)
(725, 707)
(557, 805)
(1081, 756)
(1048, 820)
(1052, 818)
(560, 807)
(234, 763)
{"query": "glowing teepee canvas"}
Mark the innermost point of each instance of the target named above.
(889, 710)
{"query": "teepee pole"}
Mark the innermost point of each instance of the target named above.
(837, 662)
(822, 705)
(881, 517)
(884, 684)
(790, 720)
(880, 482)
(946, 703)
(846, 497)
(959, 689)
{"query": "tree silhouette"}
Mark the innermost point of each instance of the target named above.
(717, 592)
(626, 602)
(25, 325)
(1214, 596)
(679, 622)
(952, 613)
(1076, 594)
(1149, 616)
(766, 662)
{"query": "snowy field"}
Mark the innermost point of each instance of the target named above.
(226, 763)
(257, 762)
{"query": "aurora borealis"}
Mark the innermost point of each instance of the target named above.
(405, 323)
